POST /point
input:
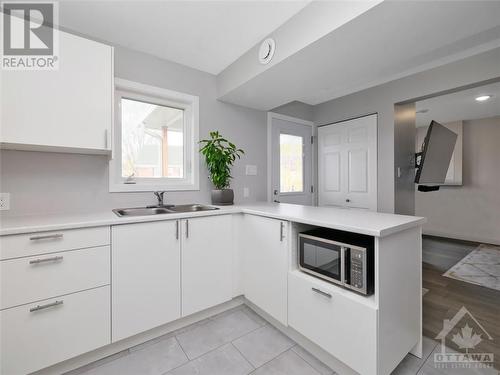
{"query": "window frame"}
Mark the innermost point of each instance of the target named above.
(155, 95)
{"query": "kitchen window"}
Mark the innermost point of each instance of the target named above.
(155, 139)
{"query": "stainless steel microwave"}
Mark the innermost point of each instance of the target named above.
(339, 257)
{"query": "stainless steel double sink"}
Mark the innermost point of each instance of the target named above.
(160, 210)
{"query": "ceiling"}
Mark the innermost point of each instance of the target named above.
(460, 105)
(389, 41)
(205, 35)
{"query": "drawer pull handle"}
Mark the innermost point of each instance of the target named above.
(48, 305)
(43, 260)
(328, 295)
(47, 237)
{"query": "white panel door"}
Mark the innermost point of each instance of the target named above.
(207, 262)
(291, 160)
(146, 290)
(265, 260)
(70, 107)
(347, 163)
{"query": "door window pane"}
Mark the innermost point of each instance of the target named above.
(291, 163)
(152, 140)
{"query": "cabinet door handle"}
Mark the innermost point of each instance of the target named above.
(107, 139)
(177, 230)
(47, 237)
(328, 295)
(281, 231)
(48, 305)
(187, 228)
(43, 260)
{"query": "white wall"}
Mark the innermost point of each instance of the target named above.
(51, 182)
(472, 211)
(381, 100)
(296, 109)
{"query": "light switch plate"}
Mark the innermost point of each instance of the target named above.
(251, 170)
(246, 192)
(4, 201)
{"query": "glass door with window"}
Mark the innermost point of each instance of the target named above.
(291, 164)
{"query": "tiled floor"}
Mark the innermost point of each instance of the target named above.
(236, 342)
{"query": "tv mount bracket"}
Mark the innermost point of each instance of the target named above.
(423, 188)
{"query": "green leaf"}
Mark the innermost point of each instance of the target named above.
(220, 155)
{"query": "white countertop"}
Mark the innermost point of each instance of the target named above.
(352, 220)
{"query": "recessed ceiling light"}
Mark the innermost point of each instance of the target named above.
(482, 98)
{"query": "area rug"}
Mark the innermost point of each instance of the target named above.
(480, 267)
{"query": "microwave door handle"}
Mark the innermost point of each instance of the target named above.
(342, 265)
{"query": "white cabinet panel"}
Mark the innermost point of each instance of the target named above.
(68, 108)
(358, 171)
(23, 245)
(343, 327)
(24, 280)
(145, 276)
(347, 163)
(32, 340)
(207, 261)
(265, 262)
(331, 171)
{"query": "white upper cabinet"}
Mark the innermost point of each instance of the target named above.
(347, 163)
(207, 261)
(265, 260)
(146, 290)
(69, 109)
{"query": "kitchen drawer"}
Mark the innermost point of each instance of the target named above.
(37, 339)
(342, 326)
(23, 245)
(24, 280)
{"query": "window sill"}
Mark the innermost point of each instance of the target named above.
(142, 187)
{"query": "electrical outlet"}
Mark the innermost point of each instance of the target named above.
(246, 192)
(4, 201)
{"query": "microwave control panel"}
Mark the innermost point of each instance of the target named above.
(357, 265)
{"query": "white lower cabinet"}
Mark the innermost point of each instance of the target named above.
(207, 261)
(145, 276)
(265, 264)
(46, 332)
(43, 276)
(345, 328)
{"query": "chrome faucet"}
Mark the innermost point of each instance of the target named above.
(159, 196)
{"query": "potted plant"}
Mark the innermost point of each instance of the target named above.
(220, 155)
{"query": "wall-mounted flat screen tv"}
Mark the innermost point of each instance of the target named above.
(434, 159)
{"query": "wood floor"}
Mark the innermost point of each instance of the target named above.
(446, 296)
